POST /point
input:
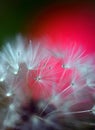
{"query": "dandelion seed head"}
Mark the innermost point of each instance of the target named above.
(43, 88)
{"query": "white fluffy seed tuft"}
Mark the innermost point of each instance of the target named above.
(64, 79)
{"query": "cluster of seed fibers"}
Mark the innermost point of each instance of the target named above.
(43, 89)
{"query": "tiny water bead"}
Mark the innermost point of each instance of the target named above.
(9, 94)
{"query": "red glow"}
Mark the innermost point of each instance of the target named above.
(61, 26)
(42, 79)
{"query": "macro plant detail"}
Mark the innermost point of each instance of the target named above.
(42, 87)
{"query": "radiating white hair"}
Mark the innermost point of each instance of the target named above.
(65, 79)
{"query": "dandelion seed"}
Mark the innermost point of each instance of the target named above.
(34, 55)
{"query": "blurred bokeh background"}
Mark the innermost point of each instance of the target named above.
(26, 17)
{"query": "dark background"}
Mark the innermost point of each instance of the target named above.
(14, 14)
